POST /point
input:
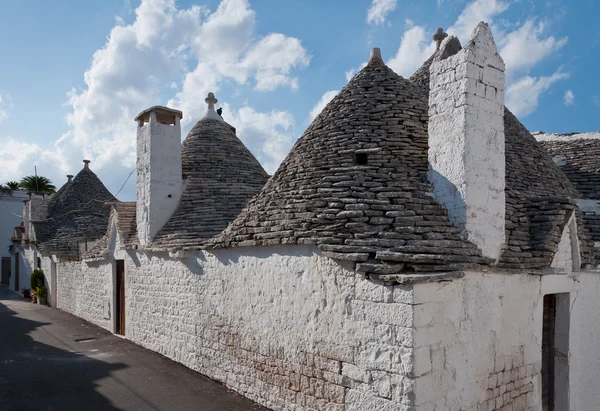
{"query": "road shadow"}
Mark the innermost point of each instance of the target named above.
(35, 375)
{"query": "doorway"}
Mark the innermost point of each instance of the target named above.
(17, 274)
(120, 293)
(555, 352)
(5, 270)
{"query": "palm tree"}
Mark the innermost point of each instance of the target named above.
(37, 184)
(5, 189)
(13, 185)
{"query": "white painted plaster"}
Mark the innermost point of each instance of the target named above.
(567, 258)
(466, 140)
(159, 180)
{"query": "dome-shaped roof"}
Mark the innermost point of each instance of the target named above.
(354, 183)
(77, 216)
(222, 176)
(84, 192)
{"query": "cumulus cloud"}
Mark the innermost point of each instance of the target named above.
(524, 47)
(415, 48)
(325, 99)
(379, 10)
(522, 97)
(195, 49)
(5, 103)
(569, 98)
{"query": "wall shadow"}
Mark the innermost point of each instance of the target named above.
(36, 375)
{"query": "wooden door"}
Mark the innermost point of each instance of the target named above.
(5, 270)
(17, 274)
(548, 365)
(120, 291)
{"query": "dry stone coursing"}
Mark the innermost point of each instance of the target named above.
(355, 184)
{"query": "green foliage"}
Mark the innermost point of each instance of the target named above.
(37, 184)
(5, 189)
(37, 278)
(13, 185)
(41, 291)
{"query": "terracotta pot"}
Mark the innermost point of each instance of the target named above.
(34, 299)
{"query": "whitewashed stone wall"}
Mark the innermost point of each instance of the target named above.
(466, 139)
(83, 288)
(281, 325)
(294, 330)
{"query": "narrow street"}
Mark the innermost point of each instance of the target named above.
(51, 360)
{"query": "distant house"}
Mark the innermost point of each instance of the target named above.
(10, 217)
(418, 249)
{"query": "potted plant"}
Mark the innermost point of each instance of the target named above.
(36, 281)
(42, 293)
(25, 292)
(27, 241)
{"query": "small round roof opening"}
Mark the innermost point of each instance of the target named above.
(162, 115)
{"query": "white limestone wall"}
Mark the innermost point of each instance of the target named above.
(466, 139)
(584, 352)
(159, 181)
(83, 288)
(478, 341)
(281, 325)
(10, 218)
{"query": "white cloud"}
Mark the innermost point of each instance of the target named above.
(5, 103)
(350, 73)
(325, 99)
(268, 135)
(478, 10)
(569, 98)
(379, 10)
(415, 48)
(139, 62)
(522, 97)
(523, 48)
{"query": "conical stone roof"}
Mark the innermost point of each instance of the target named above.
(355, 184)
(77, 216)
(222, 176)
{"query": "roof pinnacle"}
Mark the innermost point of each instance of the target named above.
(211, 101)
(210, 113)
(438, 37)
(375, 54)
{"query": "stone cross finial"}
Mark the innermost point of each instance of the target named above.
(211, 101)
(438, 37)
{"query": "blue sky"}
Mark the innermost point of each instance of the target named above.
(75, 74)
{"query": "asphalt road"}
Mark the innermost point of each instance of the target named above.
(51, 360)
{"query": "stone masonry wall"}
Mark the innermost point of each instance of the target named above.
(291, 330)
(282, 325)
(478, 343)
(82, 289)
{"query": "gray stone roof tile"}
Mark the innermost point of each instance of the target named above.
(355, 185)
(222, 176)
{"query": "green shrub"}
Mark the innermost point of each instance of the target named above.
(41, 291)
(37, 278)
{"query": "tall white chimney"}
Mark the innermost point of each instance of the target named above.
(466, 139)
(159, 181)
